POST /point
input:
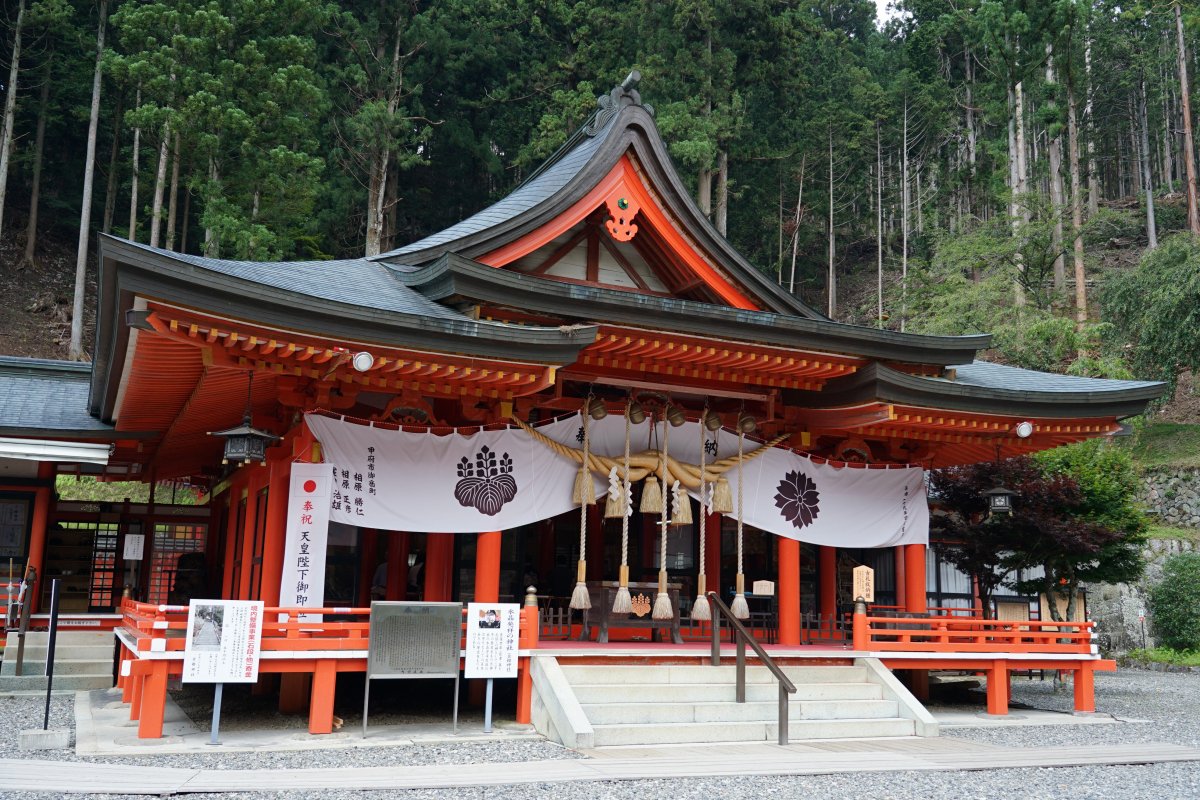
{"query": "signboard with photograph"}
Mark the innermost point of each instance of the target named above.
(492, 640)
(224, 641)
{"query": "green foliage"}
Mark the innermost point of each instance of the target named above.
(1173, 603)
(1166, 444)
(1157, 308)
(1166, 655)
(89, 490)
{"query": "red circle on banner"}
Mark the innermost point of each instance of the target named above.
(310, 486)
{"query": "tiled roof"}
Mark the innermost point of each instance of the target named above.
(542, 186)
(39, 394)
(355, 281)
(998, 376)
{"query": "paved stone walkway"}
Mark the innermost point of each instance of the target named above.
(622, 763)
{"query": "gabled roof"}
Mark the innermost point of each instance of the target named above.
(622, 126)
(45, 398)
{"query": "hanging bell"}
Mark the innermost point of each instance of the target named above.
(652, 497)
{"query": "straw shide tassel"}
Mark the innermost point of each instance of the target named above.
(700, 610)
(722, 500)
(652, 496)
(681, 508)
(662, 603)
(581, 598)
(740, 608)
(584, 488)
(623, 603)
(615, 505)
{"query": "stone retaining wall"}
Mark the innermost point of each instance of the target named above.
(1173, 496)
(1116, 607)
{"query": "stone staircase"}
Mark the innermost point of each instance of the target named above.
(626, 704)
(82, 660)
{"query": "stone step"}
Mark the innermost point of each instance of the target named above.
(62, 666)
(583, 674)
(96, 651)
(13, 683)
(714, 692)
(798, 730)
(643, 713)
(64, 637)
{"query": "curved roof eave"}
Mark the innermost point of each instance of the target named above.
(128, 270)
(556, 188)
(1056, 397)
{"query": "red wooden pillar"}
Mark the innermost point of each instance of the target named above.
(898, 556)
(827, 567)
(914, 579)
(276, 530)
(439, 561)
(42, 498)
(712, 552)
(397, 565)
(1085, 689)
(789, 591)
(487, 567)
(249, 533)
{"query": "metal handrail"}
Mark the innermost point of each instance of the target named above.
(741, 637)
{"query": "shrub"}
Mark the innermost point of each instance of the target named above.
(1174, 603)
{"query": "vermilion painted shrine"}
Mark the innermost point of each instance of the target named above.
(596, 278)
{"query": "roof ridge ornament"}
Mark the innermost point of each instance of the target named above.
(625, 94)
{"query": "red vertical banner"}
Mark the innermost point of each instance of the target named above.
(303, 582)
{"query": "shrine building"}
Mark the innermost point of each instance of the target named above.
(590, 335)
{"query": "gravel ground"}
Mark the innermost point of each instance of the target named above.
(1160, 707)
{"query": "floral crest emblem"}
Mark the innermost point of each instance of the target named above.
(797, 499)
(641, 605)
(486, 483)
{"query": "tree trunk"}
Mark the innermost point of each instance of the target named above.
(36, 190)
(878, 226)
(391, 215)
(1189, 157)
(187, 213)
(832, 281)
(1076, 206)
(212, 246)
(1054, 153)
(173, 203)
(904, 204)
(160, 184)
(704, 191)
(110, 194)
(1147, 182)
(378, 178)
(136, 171)
(1093, 177)
(85, 215)
(721, 212)
(10, 108)
(796, 221)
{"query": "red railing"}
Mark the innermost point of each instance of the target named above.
(282, 627)
(945, 634)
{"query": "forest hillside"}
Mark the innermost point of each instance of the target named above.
(1022, 168)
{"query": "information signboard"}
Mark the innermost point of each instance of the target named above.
(413, 640)
(864, 584)
(224, 641)
(135, 544)
(492, 640)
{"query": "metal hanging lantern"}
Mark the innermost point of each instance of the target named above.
(1000, 499)
(246, 443)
